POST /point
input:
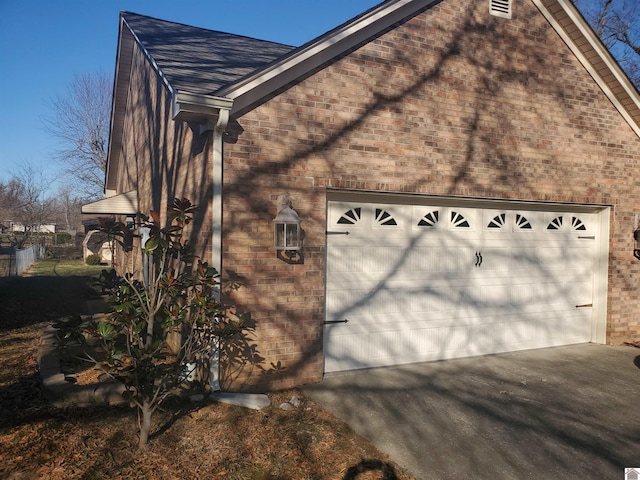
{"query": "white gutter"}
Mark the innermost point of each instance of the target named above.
(216, 229)
(209, 113)
(188, 106)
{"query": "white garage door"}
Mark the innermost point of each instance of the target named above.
(409, 283)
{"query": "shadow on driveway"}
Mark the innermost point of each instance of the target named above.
(562, 413)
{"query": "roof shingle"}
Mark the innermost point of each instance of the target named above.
(197, 60)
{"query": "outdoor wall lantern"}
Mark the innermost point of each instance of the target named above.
(138, 226)
(636, 236)
(287, 231)
(128, 233)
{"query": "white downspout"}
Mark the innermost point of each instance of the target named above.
(216, 233)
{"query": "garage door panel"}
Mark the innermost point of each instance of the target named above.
(495, 296)
(425, 259)
(495, 259)
(420, 282)
(389, 344)
(425, 340)
(341, 303)
(349, 351)
(346, 259)
(385, 258)
(458, 260)
(522, 332)
(576, 327)
(429, 300)
(387, 302)
(581, 292)
(492, 335)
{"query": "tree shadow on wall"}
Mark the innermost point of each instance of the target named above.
(239, 357)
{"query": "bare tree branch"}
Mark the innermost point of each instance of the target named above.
(80, 121)
(617, 23)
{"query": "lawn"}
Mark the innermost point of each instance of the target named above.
(191, 440)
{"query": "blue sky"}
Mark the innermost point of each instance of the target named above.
(44, 43)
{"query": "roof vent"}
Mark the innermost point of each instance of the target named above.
(500, 8)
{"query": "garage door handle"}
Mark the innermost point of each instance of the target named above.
(478, 259)
(331, 322)
(585, 305)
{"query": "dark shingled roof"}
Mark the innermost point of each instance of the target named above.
(201, 61)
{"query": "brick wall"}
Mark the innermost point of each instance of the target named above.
(164, 159)
(452, 102)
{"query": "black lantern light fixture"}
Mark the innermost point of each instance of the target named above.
(636, 236)
(287, 231)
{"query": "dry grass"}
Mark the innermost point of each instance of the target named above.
(194, 441)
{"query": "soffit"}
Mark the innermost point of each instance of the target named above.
(122, 204)
(594, 56)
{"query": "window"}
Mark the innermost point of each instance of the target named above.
(498, 221)
(522, 223)
(577, 224)
(351, 217)
(384, 218)
(555, 224)
(458, 221)
(430, 219)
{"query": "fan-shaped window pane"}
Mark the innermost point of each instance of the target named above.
(522, 223)
(458, 221)
(498, 221)
(430, 219)
(555, 224)
(577, 224)
(384, 218)
(351, 217)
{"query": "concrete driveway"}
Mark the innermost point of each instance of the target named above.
(560, 413)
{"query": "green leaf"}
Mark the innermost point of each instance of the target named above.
(151, 245)
(104, 329)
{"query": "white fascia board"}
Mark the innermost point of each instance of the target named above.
(604, 55)
(325, 48)
(121, 78)
(124, 58)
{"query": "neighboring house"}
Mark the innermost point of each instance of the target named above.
(466, 175)
(16, 227)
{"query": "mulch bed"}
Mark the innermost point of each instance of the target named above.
(191, 440)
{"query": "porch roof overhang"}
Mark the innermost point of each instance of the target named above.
(122, 204)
